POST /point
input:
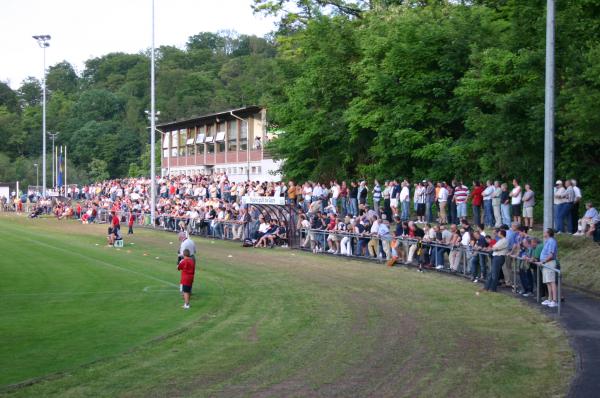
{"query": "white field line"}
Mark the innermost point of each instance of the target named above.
(68, 294)
(37, 242)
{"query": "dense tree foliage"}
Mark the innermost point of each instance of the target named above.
(100, 113)
(357, 88)
(437, 89)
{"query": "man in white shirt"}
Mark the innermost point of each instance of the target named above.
(405, 201)
(515, 201)
(335, 194)
(488, 208)
(373, 245)
(443, 201)
(186, 244)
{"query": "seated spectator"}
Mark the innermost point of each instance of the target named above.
(587, 224)
(268, 235)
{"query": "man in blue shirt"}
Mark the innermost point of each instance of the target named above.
(512, 235)
(384, 234)
(548, 259)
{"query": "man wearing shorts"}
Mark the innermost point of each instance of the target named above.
(187, 267)
(548, 258)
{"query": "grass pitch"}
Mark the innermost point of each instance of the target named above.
(80, 319)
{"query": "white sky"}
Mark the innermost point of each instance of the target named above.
(83, 29)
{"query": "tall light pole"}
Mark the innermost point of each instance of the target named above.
(247, 144)
(54, 166)
(152, 130)
(549, 119)
(43, 42)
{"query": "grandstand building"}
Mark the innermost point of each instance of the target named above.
(231, 141)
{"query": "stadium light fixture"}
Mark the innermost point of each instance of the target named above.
(44, 42)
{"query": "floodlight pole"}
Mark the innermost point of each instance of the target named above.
(43, 42)
(549, 119)
(152, 130)
(54, 158)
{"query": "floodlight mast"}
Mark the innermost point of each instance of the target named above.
(152, 130)
(43, 42)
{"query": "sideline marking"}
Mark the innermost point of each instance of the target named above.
(37, 242)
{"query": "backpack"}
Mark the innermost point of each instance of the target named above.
(247, 243)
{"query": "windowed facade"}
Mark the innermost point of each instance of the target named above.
(243, 135)
(210, 138)
(182, 140)
(218, 143)
(232, 135)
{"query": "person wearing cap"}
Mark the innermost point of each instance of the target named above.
(560, 198)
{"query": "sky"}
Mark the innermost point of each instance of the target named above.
(83, 29)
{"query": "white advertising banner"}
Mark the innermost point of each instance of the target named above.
(263, 200)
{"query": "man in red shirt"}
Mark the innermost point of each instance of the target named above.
(187, 268)
(476, 202)
(113, 230)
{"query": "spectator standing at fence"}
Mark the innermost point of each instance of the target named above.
(385, 236)
(442, 198)
(461, 193)
(512, 236)
(515, 201)
(528, 206)
(377, 194)
(455, 253)
(499, 252)
(497, 204)
(567, 212)
(478, 262)
(417, 234)
(405, 200)
(477, 202)
(420, 199)
(387, 195)
(373, 245)
(505, 204)
(363, 192)
(575, 208)
(548, 258)
(353, 199)
(559, 200)
(488, 208)
(429, 201)
(335, 195)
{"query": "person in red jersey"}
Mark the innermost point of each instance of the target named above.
(130, 223)
(187, 267)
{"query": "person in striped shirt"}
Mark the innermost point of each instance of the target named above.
(461, 193)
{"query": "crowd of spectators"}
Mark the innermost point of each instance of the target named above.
(481, 230)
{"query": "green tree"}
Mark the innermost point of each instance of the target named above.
(98, 170)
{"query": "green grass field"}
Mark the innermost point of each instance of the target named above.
(80, 319)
